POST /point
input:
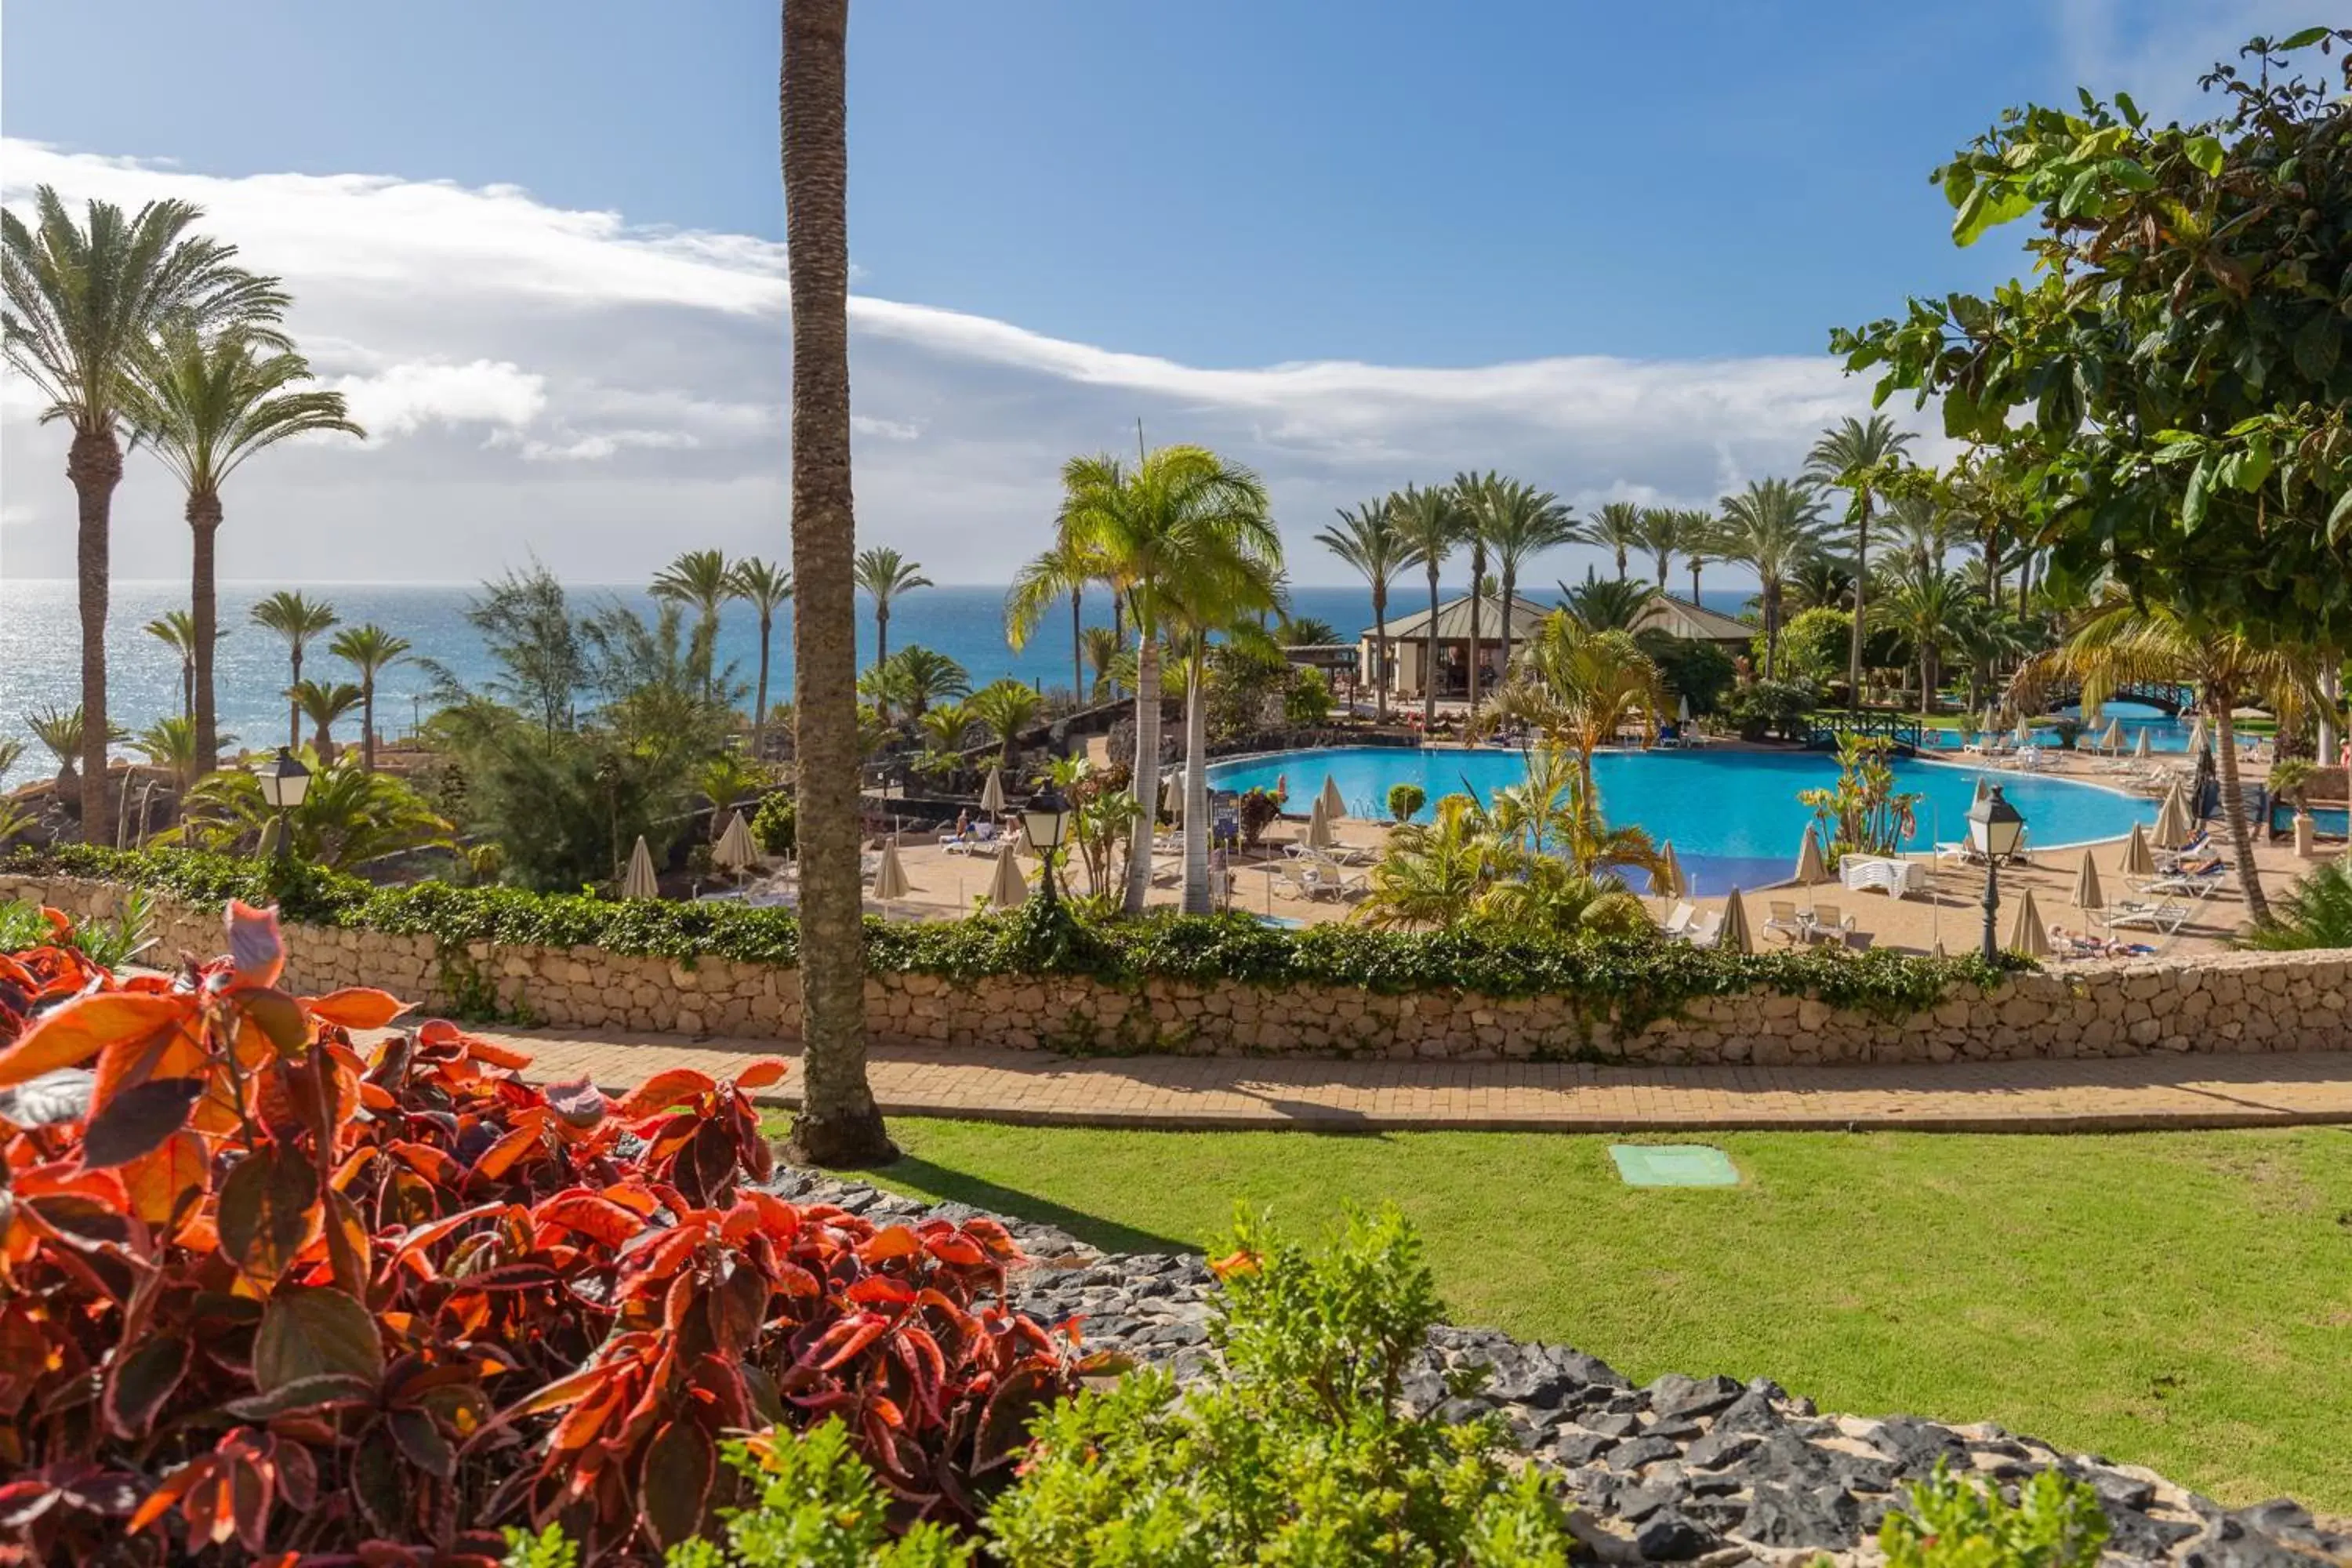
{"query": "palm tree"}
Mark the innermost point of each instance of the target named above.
(1577, 688)
(767, 588)
(1556, 816)
(1004, 708)
(1368, 541)
(1064, 568)
(205, 405)
(1662, 536)
(170, 743)
(1925, 604)
(915, 679)
(348, 816)
(1182, 511)
(1617, 527)
(324, 703)
(839, 1123)
(1519, 522)
(371, 650)
(1858, 457)
(2119, 641)
(1926, 528)
(1431, 524)
(1820, 582)
(176, 630)
(1105, 651)
(298, 620)
(1608, 604)
(884, 573)
(61, 729)
(703, 581)
(1218, 588)
(1773, 526)
(81, 304)
(1698, 530)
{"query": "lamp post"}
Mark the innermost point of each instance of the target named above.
(284, 781)
(1995, 828)
(1047, 817)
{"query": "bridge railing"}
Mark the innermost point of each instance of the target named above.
(1904, 732)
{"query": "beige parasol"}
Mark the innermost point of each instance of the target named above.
(1668, 881)
(2113, 740)
(991, 794)
(2137, 860)
(1811, 870)
(2171, 821)
(1007, 889)
(2027, 935)
(1736, 937)
(1334, 804)
(2140, 749)
(1318, 825)
(735, 850)
(1171, 796)
(2197, 735)
(639, 883)
(891, 876)
(2087, 896)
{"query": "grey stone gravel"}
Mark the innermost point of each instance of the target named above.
(1702, 1470)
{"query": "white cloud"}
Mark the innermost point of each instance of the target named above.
(2156, 52)
(501, 351)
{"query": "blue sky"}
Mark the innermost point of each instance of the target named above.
(1215, 186)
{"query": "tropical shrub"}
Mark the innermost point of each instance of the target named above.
(1813, 646)
(1863, 813)
(1700, 672)
(1259, 810)
(1762, 708)
(267, 1288)
(348, 817)
(2056, 1523)
(777, 823)
(1308, 702)
(2315, 912)
(1405, 799)
(1294, 1448)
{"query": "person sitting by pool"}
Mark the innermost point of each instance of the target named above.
(963, 833)
(2082, 945)
(1669, 733)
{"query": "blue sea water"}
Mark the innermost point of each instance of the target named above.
(40, 644)
(1733, 817)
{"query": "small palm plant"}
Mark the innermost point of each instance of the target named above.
(298, 620)
(170, 743)
(371, 650)
(60, 730)
(1005, 710)
(324, 703)
(2315, 912)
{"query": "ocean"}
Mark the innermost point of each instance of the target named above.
(40, 644)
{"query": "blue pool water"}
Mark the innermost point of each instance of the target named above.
(2164, 734)
(1733, 817)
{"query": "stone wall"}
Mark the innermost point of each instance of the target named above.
(2240, 1001)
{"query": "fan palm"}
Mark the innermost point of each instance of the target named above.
(206, 404)
(1577, 688)
(1183, 511)
(324, 703)
(1431, 524)
(1066, 568)
(61, 729)
(176, 630)
(1617, 528)
(1004, 708)
(1370, 541)
(701, 581)
(767, 588)
(884, 573)
(81, 305)
(371, 650)
(1858, 456)
(1773, 526)
(298, 620)
(2119, 641)
(1519, 522)
(839, 1123)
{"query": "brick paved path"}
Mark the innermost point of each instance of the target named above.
(1205, 1092)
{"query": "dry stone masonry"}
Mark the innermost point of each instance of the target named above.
(2250, 1002)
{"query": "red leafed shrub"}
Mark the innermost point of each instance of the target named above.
(265, 1296)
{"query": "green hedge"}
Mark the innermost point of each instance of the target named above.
(1635, 980)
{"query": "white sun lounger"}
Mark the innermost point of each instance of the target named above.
(2167, 916)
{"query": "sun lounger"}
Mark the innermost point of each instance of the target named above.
(1678, 924)
(982, 835)
(1786, 921)
(1708, 932)
(2199, 884)
(1829, 920)
(2167, 916)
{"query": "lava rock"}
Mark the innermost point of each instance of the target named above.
(1632, 1454)
(1576, 1447)
(1676, 1429)
(1813, 1517)
(1752, 1412)
(1675, 1395)
(1720, 1448)
(1918, 1445)
(1612, 1423)
(1668, 1537)
(2131, 1533)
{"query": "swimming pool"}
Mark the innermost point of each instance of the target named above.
(2164, 734)
(1733, 817)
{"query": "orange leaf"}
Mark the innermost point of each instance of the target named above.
(591, 1216)
(663, 1091)
(500, 1156)
(497, 1056)
(357, 1008)
(159, 1181)
(70, 1035)
(896, 1241)
(760, 1074)
(257, 950)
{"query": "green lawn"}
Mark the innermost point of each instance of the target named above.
(2180, 1300)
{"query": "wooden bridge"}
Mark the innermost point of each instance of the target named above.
(1902, 729)
(2162, 695)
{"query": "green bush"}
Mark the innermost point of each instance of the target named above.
(1762, 708)
(2315, 912)
(1953, 1523)
(1307, 701)
(1633, 981)
(1293, 1449)
(1814, 647)
(1700, 672)
(776, 824)
(1259, 811)
(1404, 799)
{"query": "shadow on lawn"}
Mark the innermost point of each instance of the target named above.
(940, 1182)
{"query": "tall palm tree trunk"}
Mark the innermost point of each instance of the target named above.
(1077, 650)
(1380, 650)
(1694, 566)
(203, 616)
(1199, 898)
(1146, 768)
(293, 703)
(759, 699)
(1771, 631)
(2233, 812)
(1861, 574)
(1477, 570)
(1510, 600)
(1429, 661)
(881, 634)
(839, 1123)
(367, 721)
(94, 466)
